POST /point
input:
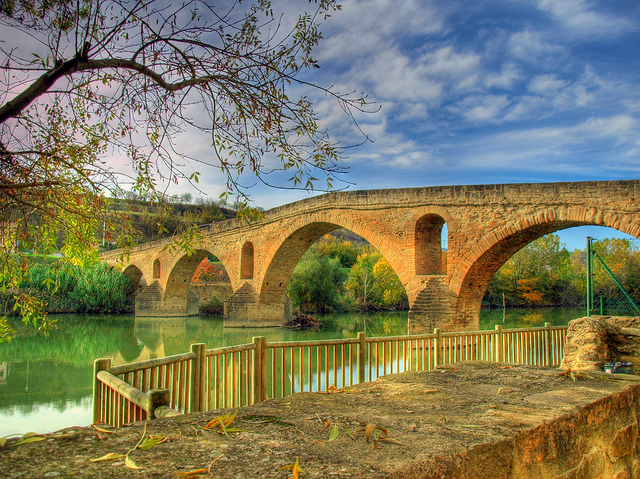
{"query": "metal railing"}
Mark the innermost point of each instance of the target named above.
(235, 376)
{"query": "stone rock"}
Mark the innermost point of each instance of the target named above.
(586, 347)
(593, 341)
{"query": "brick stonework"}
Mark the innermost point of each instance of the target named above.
(486, 225)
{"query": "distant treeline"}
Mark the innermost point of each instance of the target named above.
(544, 273)
(151, 220)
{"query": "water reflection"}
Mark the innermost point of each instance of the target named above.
(46, 382)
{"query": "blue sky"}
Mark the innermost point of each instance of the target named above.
(477, 92)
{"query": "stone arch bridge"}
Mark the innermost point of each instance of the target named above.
(486, 225)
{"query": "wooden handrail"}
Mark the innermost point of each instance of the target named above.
(150, 363)
(231, 349)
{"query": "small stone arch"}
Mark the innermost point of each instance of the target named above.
(428, 245)
(136, 278)
(246, 264)
(156, 269)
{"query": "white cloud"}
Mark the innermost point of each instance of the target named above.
(505, 78)
(364, 28)
(546, 84)
(529, 45)
(581, 18)
(481, 108)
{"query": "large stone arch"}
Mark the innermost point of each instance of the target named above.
(297, 239)
(495, 248)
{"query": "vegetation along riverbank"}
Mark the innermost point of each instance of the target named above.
(341, 273)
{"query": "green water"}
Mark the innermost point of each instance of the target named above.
(45, 382)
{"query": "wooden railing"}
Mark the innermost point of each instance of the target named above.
(234, 376)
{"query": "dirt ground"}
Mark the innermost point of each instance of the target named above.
(397, 426)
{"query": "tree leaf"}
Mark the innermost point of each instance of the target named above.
(108, 457)
(151, 441)
(27, 439)
(130, 464)
(335, 432)
(3, 442)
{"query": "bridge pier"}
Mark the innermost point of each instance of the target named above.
(244, 309)
(437, 306)
(152, 302)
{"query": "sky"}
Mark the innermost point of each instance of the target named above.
(473, 92)
(483, 92)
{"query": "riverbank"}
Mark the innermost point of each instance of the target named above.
(472, 420)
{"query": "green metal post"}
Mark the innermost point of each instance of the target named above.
(589, 278)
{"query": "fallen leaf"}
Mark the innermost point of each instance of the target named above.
(368, 431)
(108, 457)
(295, 469)
(214, 461)
(130, 464)
(151, 441)
(335, 432)
(349, 432)
(28, 438)
(100, 429)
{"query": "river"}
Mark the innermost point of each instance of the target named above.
(46, 382)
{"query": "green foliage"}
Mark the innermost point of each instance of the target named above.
(334, 275)
(317, 284)
(61, 287)
(333, 247)
(622, 257)
(100, 289)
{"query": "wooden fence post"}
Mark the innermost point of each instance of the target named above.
(102, 364)
(260, 369)
(499, 354)
(361, 356)
(198, 369)
(438, 347)
(548, 345)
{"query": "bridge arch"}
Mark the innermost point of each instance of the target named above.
(135, 275)
(298, 238)
(498, 246)
(176, 298)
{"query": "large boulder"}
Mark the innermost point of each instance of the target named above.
(586, 347)
(593, 341)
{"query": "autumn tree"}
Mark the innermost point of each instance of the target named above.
(86, 81)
